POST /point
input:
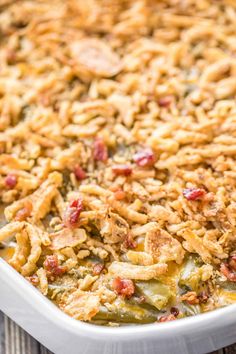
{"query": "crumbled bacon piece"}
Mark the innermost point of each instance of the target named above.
(165, 101)
(11, 181)
(194, 193)
(122, 170)
(98, 268)
(72, 213)
(33, 279)
(100, 152)
(11, 56)
(123, 287)
(25, 212)
(190, 297)
(227, 272)
(174, 311)
(144, 158)
(232, 262)
(129, 242)
(167, 318)
(51, 264)
(79, 173)
(203, 297)
(119, 195)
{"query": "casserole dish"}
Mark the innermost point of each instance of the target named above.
(120, 206)
(61, 334)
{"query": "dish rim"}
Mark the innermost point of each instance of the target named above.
(215, 319)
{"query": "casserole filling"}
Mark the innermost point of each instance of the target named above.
(118, 144)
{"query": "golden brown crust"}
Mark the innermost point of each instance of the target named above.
(117, 149)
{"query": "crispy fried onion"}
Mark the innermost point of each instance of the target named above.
(82, 305)
(114, 228)
(211, 243)
(140, 258)
(162, 246)
(41, 199)
(96, 57)
(9, 230)
(136, 272)
(20, 255)
(28, 249)
(43, 280)
(67, 238)
(35, 251)
(196, 243)
(127, 213)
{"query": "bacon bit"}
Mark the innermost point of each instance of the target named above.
(227, 272)
(25, 212)
(119, 195)
(79, 173)
(129, 242)
(11, 56)
(174, 311)
(232, 262)
(165, 101)
(144, 158)
(167, 318)
(190, 297)
(11, 181)
(72, 213)
(34, 280)
(203, 297)
(100, 152)
(98, 268)
(123, 287)
(194, 193)
(122, 170)
(52, 266)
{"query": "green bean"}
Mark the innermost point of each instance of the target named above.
(227, 285)
(155, 293)
(123, 312)
(190, 278)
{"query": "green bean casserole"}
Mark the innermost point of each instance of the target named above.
(117, 155)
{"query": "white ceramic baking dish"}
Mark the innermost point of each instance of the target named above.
(64, 335)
